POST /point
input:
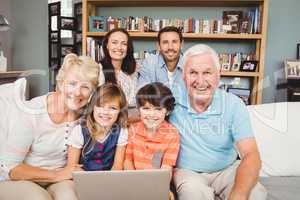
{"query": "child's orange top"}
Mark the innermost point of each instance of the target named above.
(152, 152)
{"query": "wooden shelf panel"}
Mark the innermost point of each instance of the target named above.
(187, 35)
(10, 74)
(175, 3)
(241, 74)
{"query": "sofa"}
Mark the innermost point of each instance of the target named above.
(276, 127)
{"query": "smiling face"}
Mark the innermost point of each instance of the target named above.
(117, 46)
(107, 113)
(76, 92)
(152, 116)
(169, 46)
(201, 78)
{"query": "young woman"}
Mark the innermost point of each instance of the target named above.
(36, 151)
(118, 65)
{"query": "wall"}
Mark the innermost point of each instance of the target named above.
(5, 37)
(30, 42)
(283, 35)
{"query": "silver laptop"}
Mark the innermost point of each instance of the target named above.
(122, 185)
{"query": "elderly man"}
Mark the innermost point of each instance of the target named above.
(214, 127)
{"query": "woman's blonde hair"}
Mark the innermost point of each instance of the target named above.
(103, 94)
(82, 66)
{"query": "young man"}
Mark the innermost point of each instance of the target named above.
(214, 126)
(165, 67)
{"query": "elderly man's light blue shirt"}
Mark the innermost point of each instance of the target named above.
(208, 139)
(154, 69)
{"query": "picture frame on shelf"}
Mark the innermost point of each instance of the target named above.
(235, 67)
(236, 63)
(54, 23)
(54, 36)
(225, 67)
(248, 65)
(242, 93)
(97, 24)
(245, 25)
(233, 19)
(292, 69)
(66, 49)
(54, 8)
(67, 23)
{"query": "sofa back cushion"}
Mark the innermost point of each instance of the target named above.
(12, 96)
(276, 128)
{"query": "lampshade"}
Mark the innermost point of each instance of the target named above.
(4, 25)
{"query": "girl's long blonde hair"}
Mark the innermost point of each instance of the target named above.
(106, 93)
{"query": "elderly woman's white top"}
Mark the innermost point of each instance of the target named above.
(35, 140)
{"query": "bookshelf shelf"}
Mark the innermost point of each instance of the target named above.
(175, 3)
(187, 35)
(259, 40)
(239, 74)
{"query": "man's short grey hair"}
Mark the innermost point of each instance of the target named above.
(199, 49)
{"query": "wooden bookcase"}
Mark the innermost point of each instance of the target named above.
(89, 8)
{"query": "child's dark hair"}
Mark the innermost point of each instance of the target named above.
(156, 94)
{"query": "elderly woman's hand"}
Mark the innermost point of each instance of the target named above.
(66, 173)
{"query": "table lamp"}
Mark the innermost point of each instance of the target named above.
(4, 26)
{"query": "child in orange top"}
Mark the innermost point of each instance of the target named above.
(153, 143)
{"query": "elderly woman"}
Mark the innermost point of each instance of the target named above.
(34, 155)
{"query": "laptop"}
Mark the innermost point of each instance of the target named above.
(122, 185)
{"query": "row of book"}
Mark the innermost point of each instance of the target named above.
(228, 61)
(231, 22)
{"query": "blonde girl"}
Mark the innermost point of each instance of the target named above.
(99, 143)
